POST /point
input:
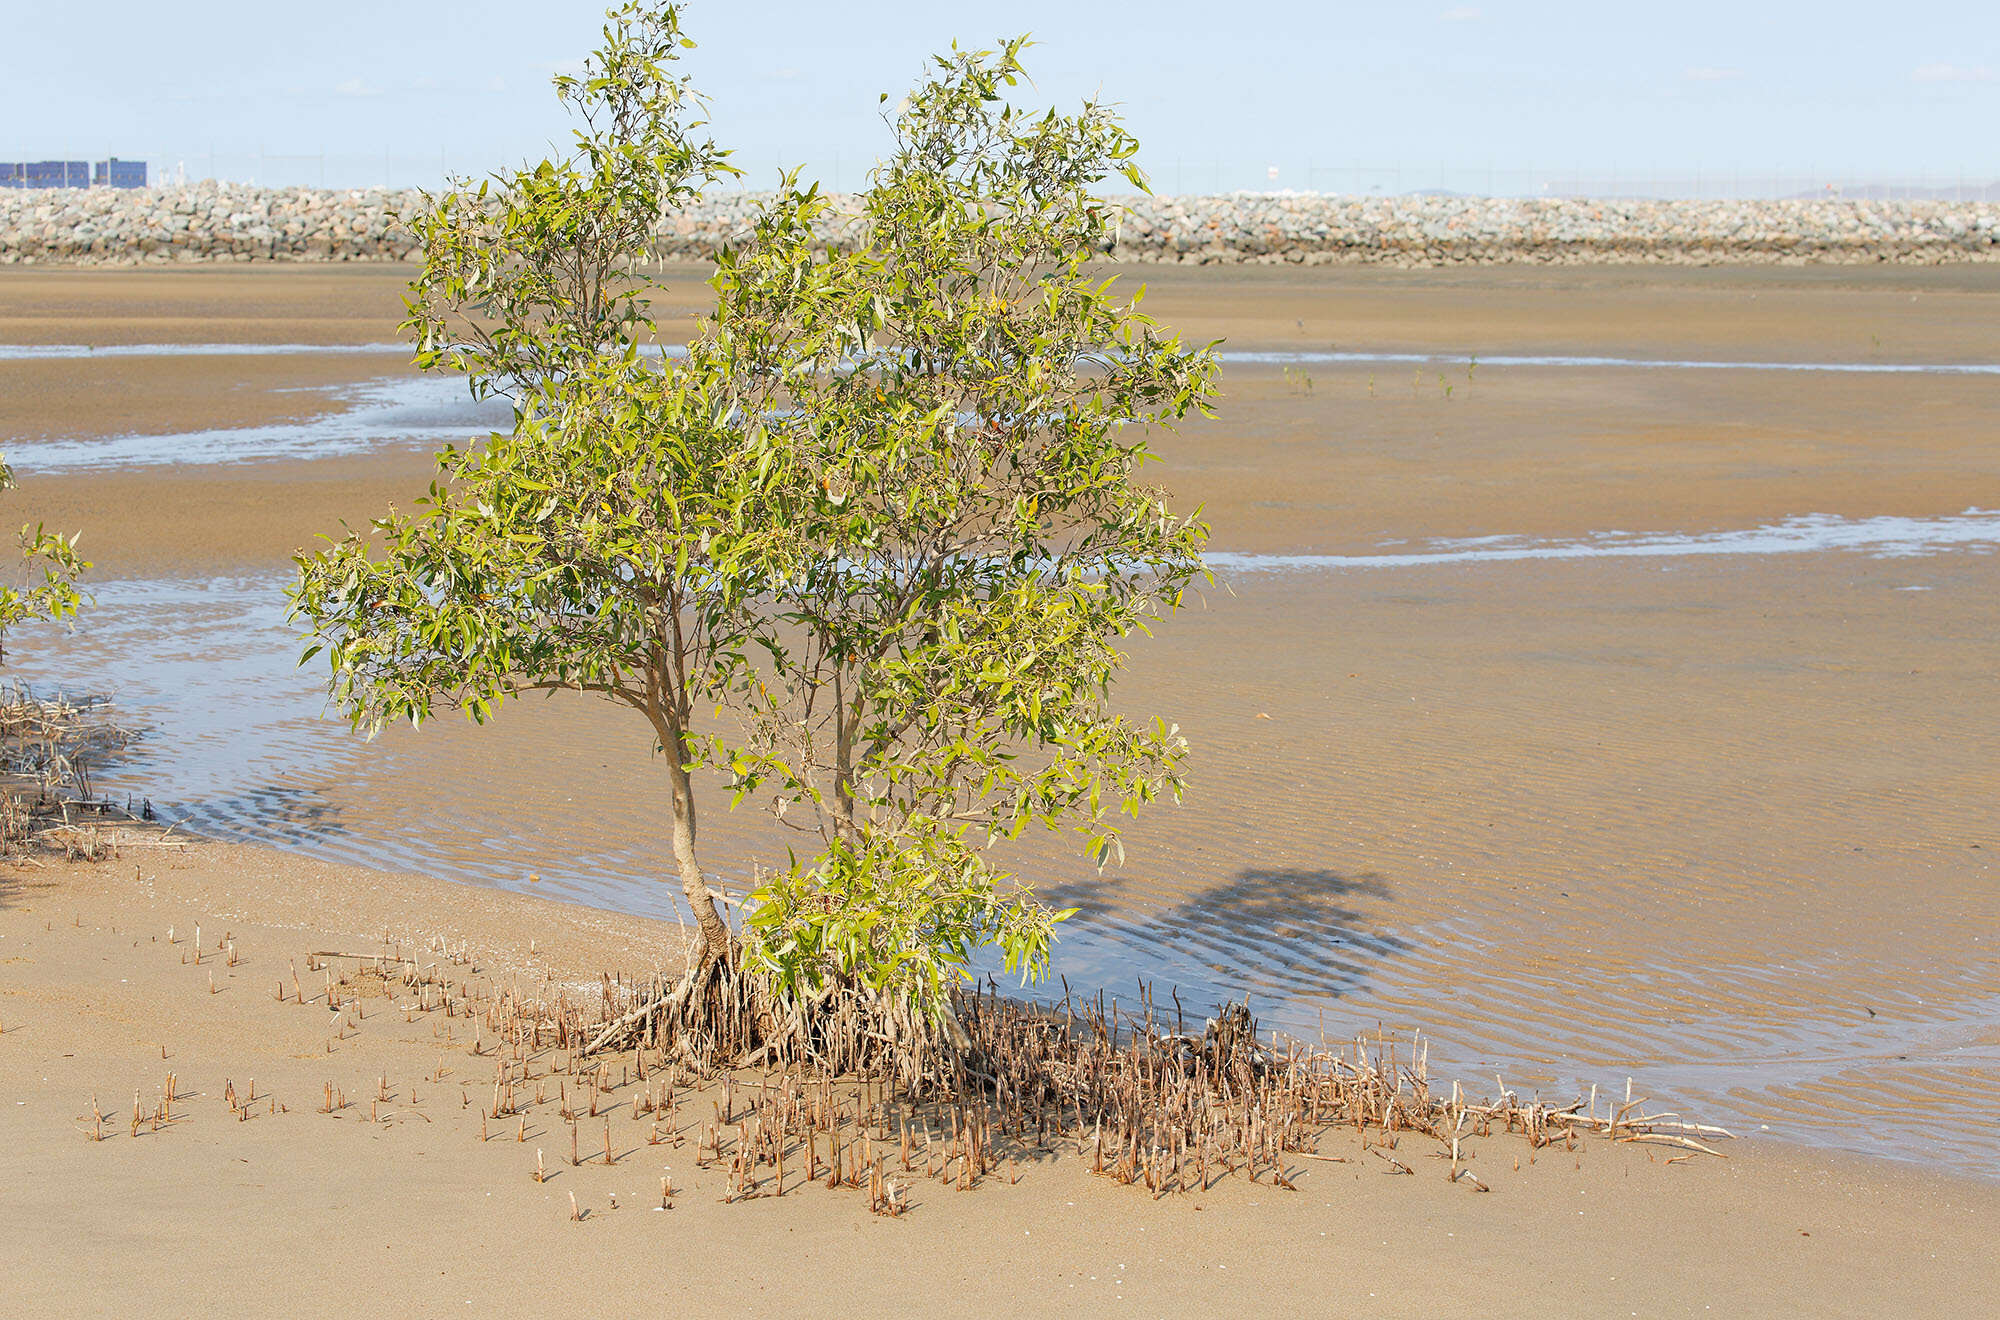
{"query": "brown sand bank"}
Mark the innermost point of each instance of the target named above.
(111, 396)
(397, 1204)
(1891, 314)
(204, 522)
(1899, 314)
(1360, 458)
(344, 304)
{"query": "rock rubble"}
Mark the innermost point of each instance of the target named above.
(211, 222)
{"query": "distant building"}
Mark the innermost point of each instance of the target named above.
(113, 173)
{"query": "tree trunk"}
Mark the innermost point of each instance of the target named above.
(843, 765)
(714, 932)
(694, 885)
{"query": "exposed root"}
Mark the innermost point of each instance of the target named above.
(47, 748)
(853, 1091)
(1146, 1101)
(716, 1015)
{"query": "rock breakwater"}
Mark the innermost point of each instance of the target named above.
(220, 223)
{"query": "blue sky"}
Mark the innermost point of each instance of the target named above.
(1430, 89)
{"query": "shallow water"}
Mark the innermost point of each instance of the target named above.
(1883, 537)
(1732, 1023)
(1310, 357)
(37, 352)
(1708, 808)
(401, 411)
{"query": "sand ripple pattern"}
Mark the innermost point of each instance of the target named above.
(1575, 819)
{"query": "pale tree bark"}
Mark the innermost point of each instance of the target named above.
(843, 766)
(715, 938)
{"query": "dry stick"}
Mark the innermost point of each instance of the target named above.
(1665, 1139)
(1397, 1164)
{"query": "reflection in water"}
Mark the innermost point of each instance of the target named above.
(237, 744)
(231, 737)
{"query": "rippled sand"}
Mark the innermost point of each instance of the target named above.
(1721, 822)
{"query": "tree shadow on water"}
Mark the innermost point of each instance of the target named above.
(1298, 936)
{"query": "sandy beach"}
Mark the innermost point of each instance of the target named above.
(395, 1201)
(1717, 819)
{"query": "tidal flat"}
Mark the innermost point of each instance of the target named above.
(1719, 822)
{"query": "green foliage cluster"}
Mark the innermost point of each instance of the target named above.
(592, 548)
(885, 515)
(51, 565)
(964, 409)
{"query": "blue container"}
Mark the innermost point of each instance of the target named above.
(64, 173)
(118, 173)
(57, 173)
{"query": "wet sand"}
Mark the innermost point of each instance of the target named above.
(398, 1204)
(1720, 824)
(111, 396)
(1578, 821)
(360, 303)
(1348, 467)
(1320, 458)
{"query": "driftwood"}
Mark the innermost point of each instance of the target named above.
(1665, 1139)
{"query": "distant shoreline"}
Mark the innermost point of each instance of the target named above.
(230, 223)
